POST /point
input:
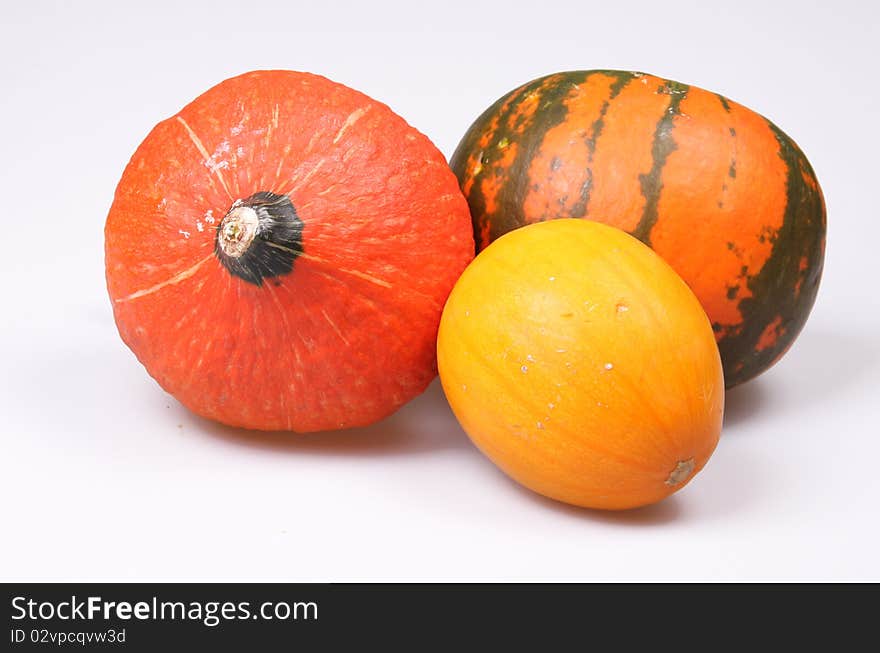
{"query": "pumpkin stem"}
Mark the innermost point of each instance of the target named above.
(237, 230)
(681, 472)
(259, 237)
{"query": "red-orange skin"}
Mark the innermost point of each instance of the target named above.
(713, 187)
(349, 334)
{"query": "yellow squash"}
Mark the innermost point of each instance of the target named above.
(580, 363)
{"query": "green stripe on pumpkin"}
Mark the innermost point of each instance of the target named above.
(529, 138)
(458, 162)
(799, 238)
(661, 148)
(621, 79)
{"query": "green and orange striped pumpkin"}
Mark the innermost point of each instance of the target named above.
(720, 192)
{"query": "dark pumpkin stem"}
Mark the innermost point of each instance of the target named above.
(259, 237)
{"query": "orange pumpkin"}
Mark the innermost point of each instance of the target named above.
(580, 363)
(278, 254)
(721, 193)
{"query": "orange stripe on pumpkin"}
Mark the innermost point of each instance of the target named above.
(561, 166)
(623, 153)
(708, 200)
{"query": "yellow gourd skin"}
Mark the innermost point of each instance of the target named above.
(580, 363)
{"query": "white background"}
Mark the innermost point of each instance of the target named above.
(103, 476)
